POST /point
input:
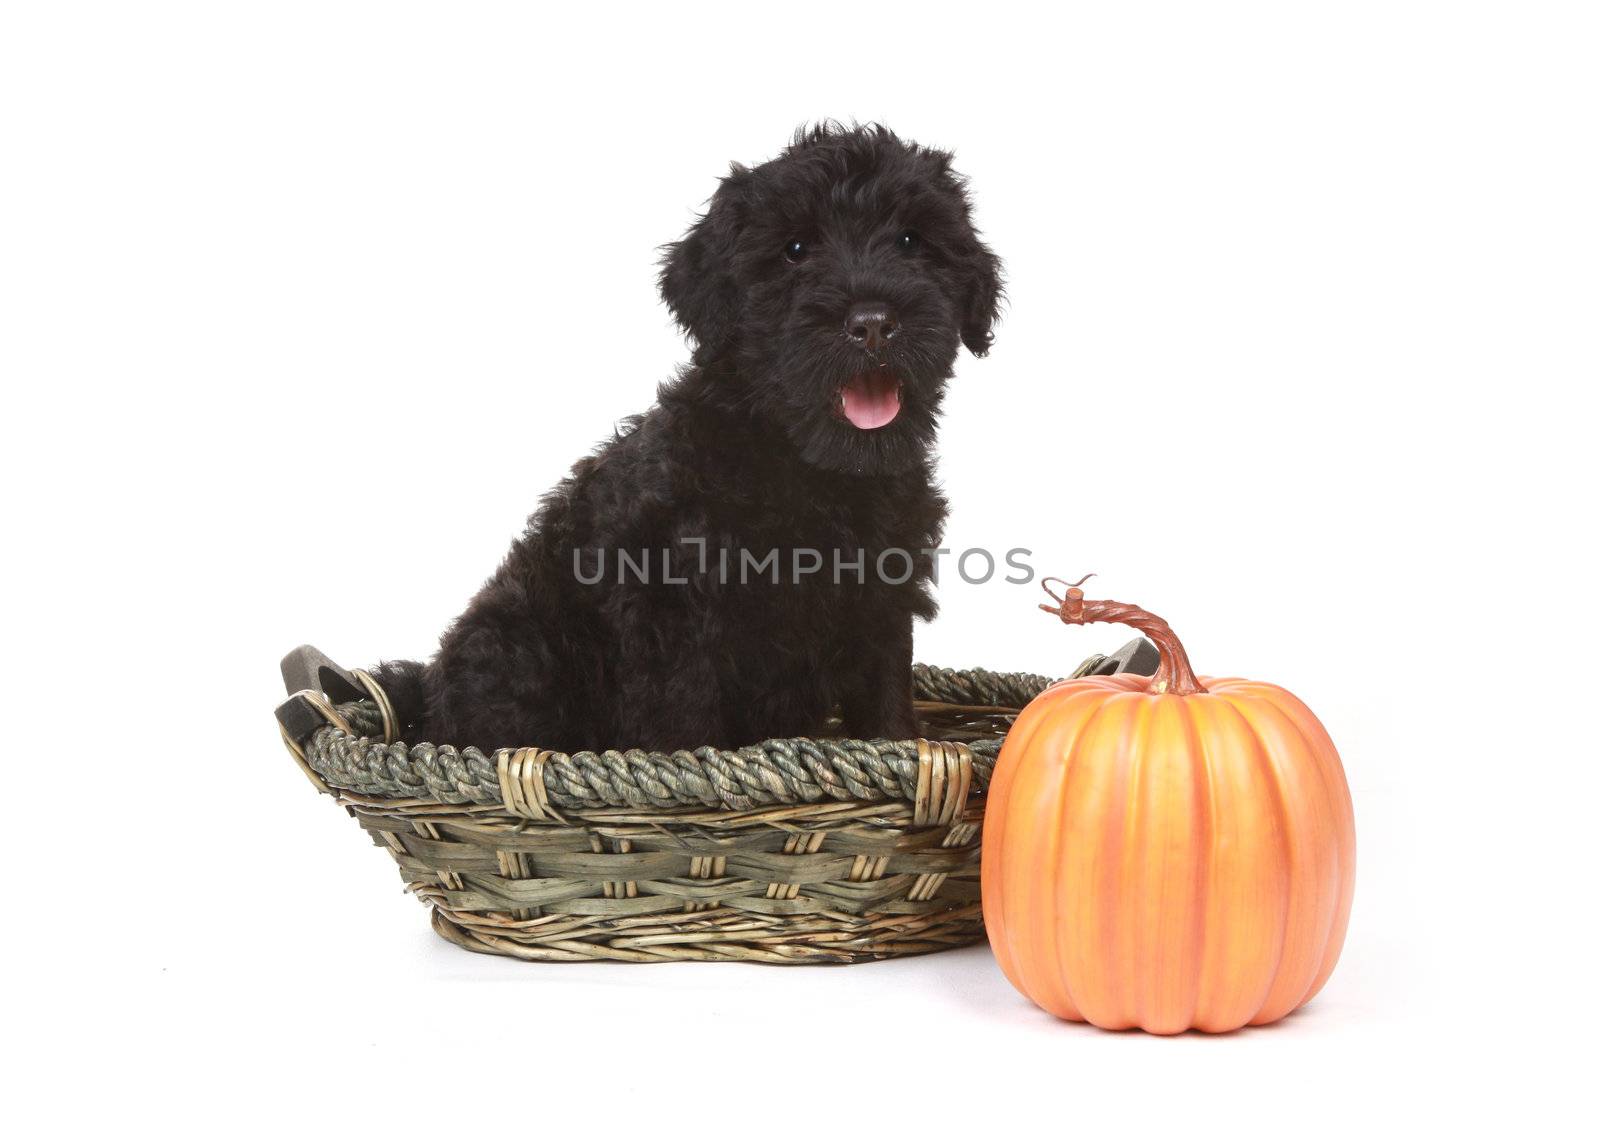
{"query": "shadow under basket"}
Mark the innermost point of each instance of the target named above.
(796, 850)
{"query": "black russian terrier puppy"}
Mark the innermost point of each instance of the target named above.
(749, 554)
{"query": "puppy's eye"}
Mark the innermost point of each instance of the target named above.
(794, 251)
(909, 241)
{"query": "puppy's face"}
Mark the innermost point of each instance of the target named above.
(831, 288)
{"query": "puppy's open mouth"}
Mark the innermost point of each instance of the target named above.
(871, 399)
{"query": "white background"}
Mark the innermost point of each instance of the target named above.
(304, 306)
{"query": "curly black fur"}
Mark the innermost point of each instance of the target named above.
(747, 449)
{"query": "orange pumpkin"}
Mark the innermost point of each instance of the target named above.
(1169, 852)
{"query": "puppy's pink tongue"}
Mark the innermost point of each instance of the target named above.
(871, 400)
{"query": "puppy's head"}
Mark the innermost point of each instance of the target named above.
(829, 289)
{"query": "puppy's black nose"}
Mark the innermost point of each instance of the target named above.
(870, 324)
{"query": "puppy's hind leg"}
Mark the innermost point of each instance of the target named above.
(403, 681)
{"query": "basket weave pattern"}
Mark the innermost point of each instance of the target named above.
(796, 850)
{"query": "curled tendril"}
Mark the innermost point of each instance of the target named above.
(1053, 595)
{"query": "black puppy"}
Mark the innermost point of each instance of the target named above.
(749, 553)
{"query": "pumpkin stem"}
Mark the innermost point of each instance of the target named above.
(1173, 676)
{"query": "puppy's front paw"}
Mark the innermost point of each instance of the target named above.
(883, 718)
(905, 728)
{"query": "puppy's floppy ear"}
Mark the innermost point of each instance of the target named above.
(697, 273)
(982, 298)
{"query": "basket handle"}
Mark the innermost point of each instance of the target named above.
(1137, 656)
(316, 684)
(306, 668)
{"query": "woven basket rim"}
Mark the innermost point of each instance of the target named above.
(974, 708)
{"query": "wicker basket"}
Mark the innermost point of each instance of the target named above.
(791, 851)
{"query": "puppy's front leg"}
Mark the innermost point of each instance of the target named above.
(878, 701)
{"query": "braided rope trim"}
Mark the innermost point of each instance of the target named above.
(779, 771)
(976, 687)
(782, 770)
